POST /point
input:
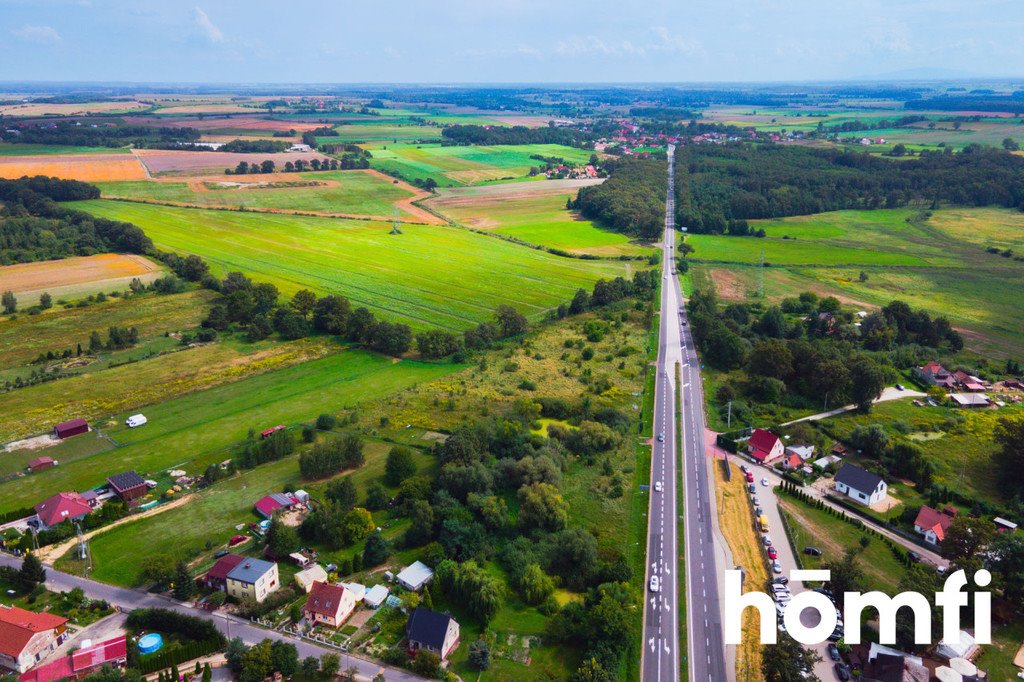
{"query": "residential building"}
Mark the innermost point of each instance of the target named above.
(82, 663)
(253, 579)
(61, 507)
(328, 604)
(266, 506)
(964, 646)
(436, 632)
(860, 485)
(932, 523)
(415, 576)
(765, 446)
(792, 462)
(805, 452)
(128, 486)
(27, 637)
(970, 399)
(305, 578)
(935, 374)
(217, 576)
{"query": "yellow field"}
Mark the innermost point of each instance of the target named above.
(49, 109)
(85, 167)
(103, 272)
(737, 525)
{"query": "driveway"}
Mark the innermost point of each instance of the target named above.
(128, 600)
(890, 393)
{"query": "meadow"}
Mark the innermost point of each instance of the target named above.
(456, 166)
(534, 212)
(194, 430)
(428, 276)
(939, 264)
(381, 132)
(23, 338)
(335, 192)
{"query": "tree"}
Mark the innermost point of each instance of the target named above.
(377, 550)
(1005, 557)
(184, 587)
(846, 575)
(45, 301)
(1010, 145)
(580, 302)
(421, 531)
(787, 660)
(426, 663)
(282, 539)
(207, 672)
(866, 382)
(285, 657)
(377, 497)
(771, 358)
(342, 491)
(480, 655)
(437, 343)
(233, 654)
(357, 525)
(257, 662)
(535, 586)
(510, 321)
(1009, 435)
(871, 439)
(31, 572)
(724, 349)
(331, 314)
(303, 302)
(572, 555)
(400, 465)
(310, 667)
(330, 664)
(10, 302)
(965, 540)
(541, 506)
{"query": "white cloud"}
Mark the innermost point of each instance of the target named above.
(44, 35)
(209, 29)
(671, 43)
(586, 46)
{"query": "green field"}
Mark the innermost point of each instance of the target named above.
(15, 149)
(939, 264)
(349, 192)
(427, 276)
(470, 165)
(385, 131)
(535, 213)
(194, 430)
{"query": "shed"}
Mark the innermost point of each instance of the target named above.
(375, 596)
(962, 647)
(129, 486)
(40, 463)
(415, 576)
(305, 578)
(70, 428)
(359, 591)
(969, 399)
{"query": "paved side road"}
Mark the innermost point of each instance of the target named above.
(129, 600)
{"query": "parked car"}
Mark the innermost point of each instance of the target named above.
(767, 541)
(764, 482)
(655, 584)
(220, 552)
(758, 511)
(833, 651)
(812, 551)
(753, 500)
(751, 487)
(914, 556)
(776, 567)
(743, 468)
(842, 672)
(781, 580)
(773, 553)
(750, 477)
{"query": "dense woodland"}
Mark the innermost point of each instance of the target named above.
(632, 200)
(473, 134)
(716, 184)
(34, 227)
(75, 135)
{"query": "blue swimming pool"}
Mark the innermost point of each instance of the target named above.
(150, 643)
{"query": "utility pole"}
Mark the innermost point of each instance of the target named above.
(395, 221)
(728, 422)
(760, 277)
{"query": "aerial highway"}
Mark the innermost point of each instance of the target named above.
(705, 652)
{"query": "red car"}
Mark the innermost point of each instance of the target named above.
(750, 477)
(772, 554)
(237, 540)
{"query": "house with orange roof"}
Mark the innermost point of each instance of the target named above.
(27, 637)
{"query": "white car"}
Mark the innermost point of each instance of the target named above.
(661, 437)
(776, 567)
(764, 482)
(658, 487)
(767, 541)
(655, 584)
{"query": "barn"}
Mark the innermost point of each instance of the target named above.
(128, 486)
(71, 428)
(40, 463)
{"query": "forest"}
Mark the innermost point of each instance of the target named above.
(34, 227)
(631, 201)
(73, 135)
(716, 184)
(481, 135)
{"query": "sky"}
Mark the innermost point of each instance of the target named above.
(505, 41)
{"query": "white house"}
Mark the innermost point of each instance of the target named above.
(860, 485)
(328, 604)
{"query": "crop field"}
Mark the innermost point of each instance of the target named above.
(86, 167)
(384, 132)
(226, 122)
(939, 264)
(70, 109)
(194, 430)
(456, 166)
(22, 339)
(360, 193)
(173, 161)
(75, 276)
(534, 212)
(16, 149)
(428, 276)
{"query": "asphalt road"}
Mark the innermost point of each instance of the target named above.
(704, 657)
(129, 600)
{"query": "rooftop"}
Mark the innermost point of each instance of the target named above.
(858, 478)
(126, 481)
(250, 570)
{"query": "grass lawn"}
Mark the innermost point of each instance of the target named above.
(833, 536)
(22, 339)
(349, 192)
(939, 264)
(194, 430)
(534, 213)
(18, 149)
(467, 165)
(429, 276)
(997, 659)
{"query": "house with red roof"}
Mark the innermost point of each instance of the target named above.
(27, 637)
(932, 523)
(329, 604)
(765, 446)
(85, 661)
(217, 576)
(40, 464)
(61, 507)
(935, 374)
(792, 462)
(271, 503)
